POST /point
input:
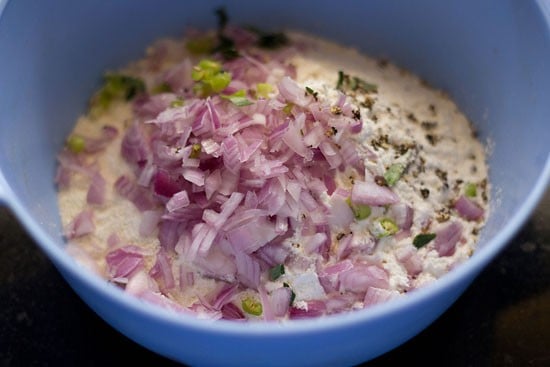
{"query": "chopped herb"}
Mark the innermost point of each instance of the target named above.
(340, 82)
(356, 114)
(384, 227)
(470, 190)
(226, 47)
(292, 294)
(222, 18)
(252, 306)
(161, 88)
(394, 173)
(76, 144)
(195, 151)
(353, 83)
(238, 98)
(128, 86)
(178, 102)
(340, 235)
(312, 93)
(276, 272)
(263, 89)
(272, 40)
(200, 45)
(422, 239)
(116, 86)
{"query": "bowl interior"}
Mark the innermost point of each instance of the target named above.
(489, 56)
(494, 68)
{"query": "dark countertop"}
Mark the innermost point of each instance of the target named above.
(503, 319)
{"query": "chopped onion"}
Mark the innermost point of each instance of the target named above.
(468, 209)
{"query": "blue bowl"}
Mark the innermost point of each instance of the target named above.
(492, 57)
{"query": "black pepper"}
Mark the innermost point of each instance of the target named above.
(441, 174)
(412, 117)
(428, 125)
(425, 193)
(432, 139)
(380, 181)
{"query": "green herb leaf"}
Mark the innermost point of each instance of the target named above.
(353, 83)
(115, 86)
(340, 82)
(124, 85)
(272, 40)
(470, 190)
(422, 239)
(276, 272)
(394, 173)
(365, 86)
(312, 93)
(222, 18)
(226, 47)
(252, 306)
(292, 294)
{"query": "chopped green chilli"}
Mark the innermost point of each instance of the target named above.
(178, 102)
(238, 98)
(360, 211)
(210, 78)
(195, 151)
(470, 190)
(252, 306)
(263, 89)
(76, 144)
(394, 173)
(384, 227)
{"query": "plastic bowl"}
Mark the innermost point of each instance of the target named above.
(491, 56)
